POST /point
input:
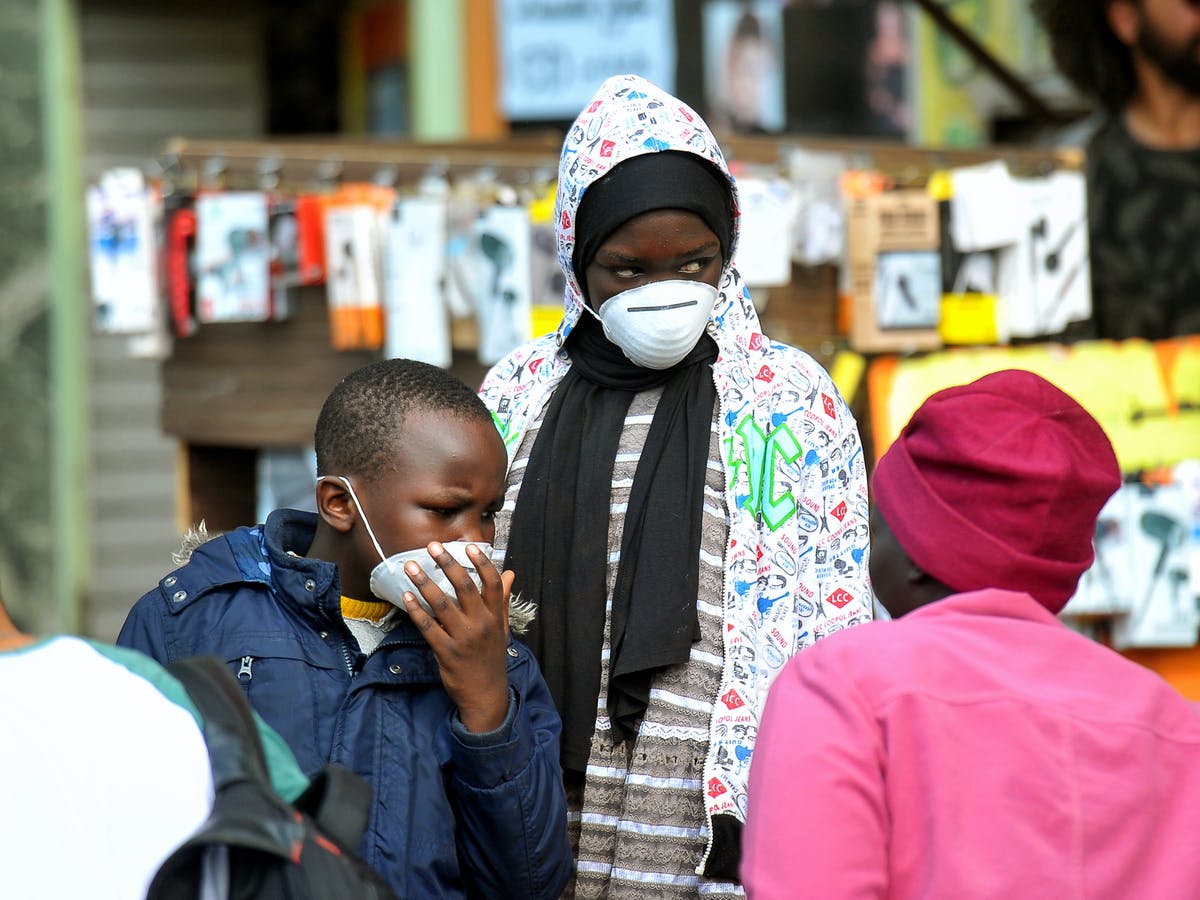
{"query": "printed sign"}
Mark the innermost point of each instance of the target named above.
(556, 53)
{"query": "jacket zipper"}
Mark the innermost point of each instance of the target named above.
(247, 670)
(352, 656)
(347, 657)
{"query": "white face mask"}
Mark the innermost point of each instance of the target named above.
(389, 581)
(656, 325)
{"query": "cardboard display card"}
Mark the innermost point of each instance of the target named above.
(417, 322)
(233, 257)
(503, 293)
(120, 213)
(892, 242)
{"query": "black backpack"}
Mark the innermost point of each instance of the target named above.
(304, 851)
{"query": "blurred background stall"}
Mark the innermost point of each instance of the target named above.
(212, 212)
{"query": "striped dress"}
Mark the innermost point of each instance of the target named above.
(637, 818)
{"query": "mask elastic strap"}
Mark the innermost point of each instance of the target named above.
(362, 512)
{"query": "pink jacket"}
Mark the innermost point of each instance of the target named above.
(975, 748)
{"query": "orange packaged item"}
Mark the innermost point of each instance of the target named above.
(354, 220)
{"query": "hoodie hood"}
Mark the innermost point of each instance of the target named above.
(628, 116)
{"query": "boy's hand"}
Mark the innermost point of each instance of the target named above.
(468, 638)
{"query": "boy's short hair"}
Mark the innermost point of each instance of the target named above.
(362, 419)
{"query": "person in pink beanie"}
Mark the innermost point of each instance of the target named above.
(974, 746)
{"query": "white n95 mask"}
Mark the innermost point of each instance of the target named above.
(389, 581)
(657, 325)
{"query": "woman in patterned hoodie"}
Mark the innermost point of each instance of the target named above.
(687, 503)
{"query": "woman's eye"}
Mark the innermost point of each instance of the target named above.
(626, 272)
(444, 512)
(695, 267)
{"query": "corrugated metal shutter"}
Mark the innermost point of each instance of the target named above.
(150, 73)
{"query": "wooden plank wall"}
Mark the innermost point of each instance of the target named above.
(232, 389)
(255, 384)
(150, 71)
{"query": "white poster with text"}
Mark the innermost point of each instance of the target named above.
(556, 53)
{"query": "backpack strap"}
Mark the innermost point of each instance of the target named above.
(339, 801)
(259, 845)
(234, 747)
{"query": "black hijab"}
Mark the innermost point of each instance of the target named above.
(558, 541)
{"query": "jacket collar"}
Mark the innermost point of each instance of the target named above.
(299, 581)
(286, 537)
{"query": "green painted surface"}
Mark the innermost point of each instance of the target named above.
(438, 69)
(70, 314)
(25, 473)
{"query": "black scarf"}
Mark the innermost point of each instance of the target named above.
(558, 541)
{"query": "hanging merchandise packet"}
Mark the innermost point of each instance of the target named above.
(355, 221)
(120, 212)
(503, 284)
(416, 319)
(233, 257)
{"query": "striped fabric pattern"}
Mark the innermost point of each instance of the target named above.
(635, 818)
(795, 485)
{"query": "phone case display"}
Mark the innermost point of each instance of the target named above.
(418, 321)
(503, 281)
(355, 222)
(121, 212)
(893, 270)
(969, 255)
(1108, 587)
(819, 229)
(233, 257)
(284, 477)
(908, 289)
(355, 313)
(310, 236)
(768, 208)
(1034, 230)
(179, 226)
(1050, 262)
(1158, 542)
(297, 229)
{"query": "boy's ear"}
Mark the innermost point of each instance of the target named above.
(335, 505)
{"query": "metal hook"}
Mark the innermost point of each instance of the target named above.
(329, 172)
(386, 176)
(213, 171)
(268, 169)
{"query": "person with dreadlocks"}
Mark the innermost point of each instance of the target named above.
(686, 501)
(374, 634)
(1140, 60)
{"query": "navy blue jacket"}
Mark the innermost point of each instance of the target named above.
(455, 814)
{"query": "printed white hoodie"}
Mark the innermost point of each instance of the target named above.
(795, 481)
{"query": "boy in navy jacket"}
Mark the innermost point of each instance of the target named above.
(428, 697)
